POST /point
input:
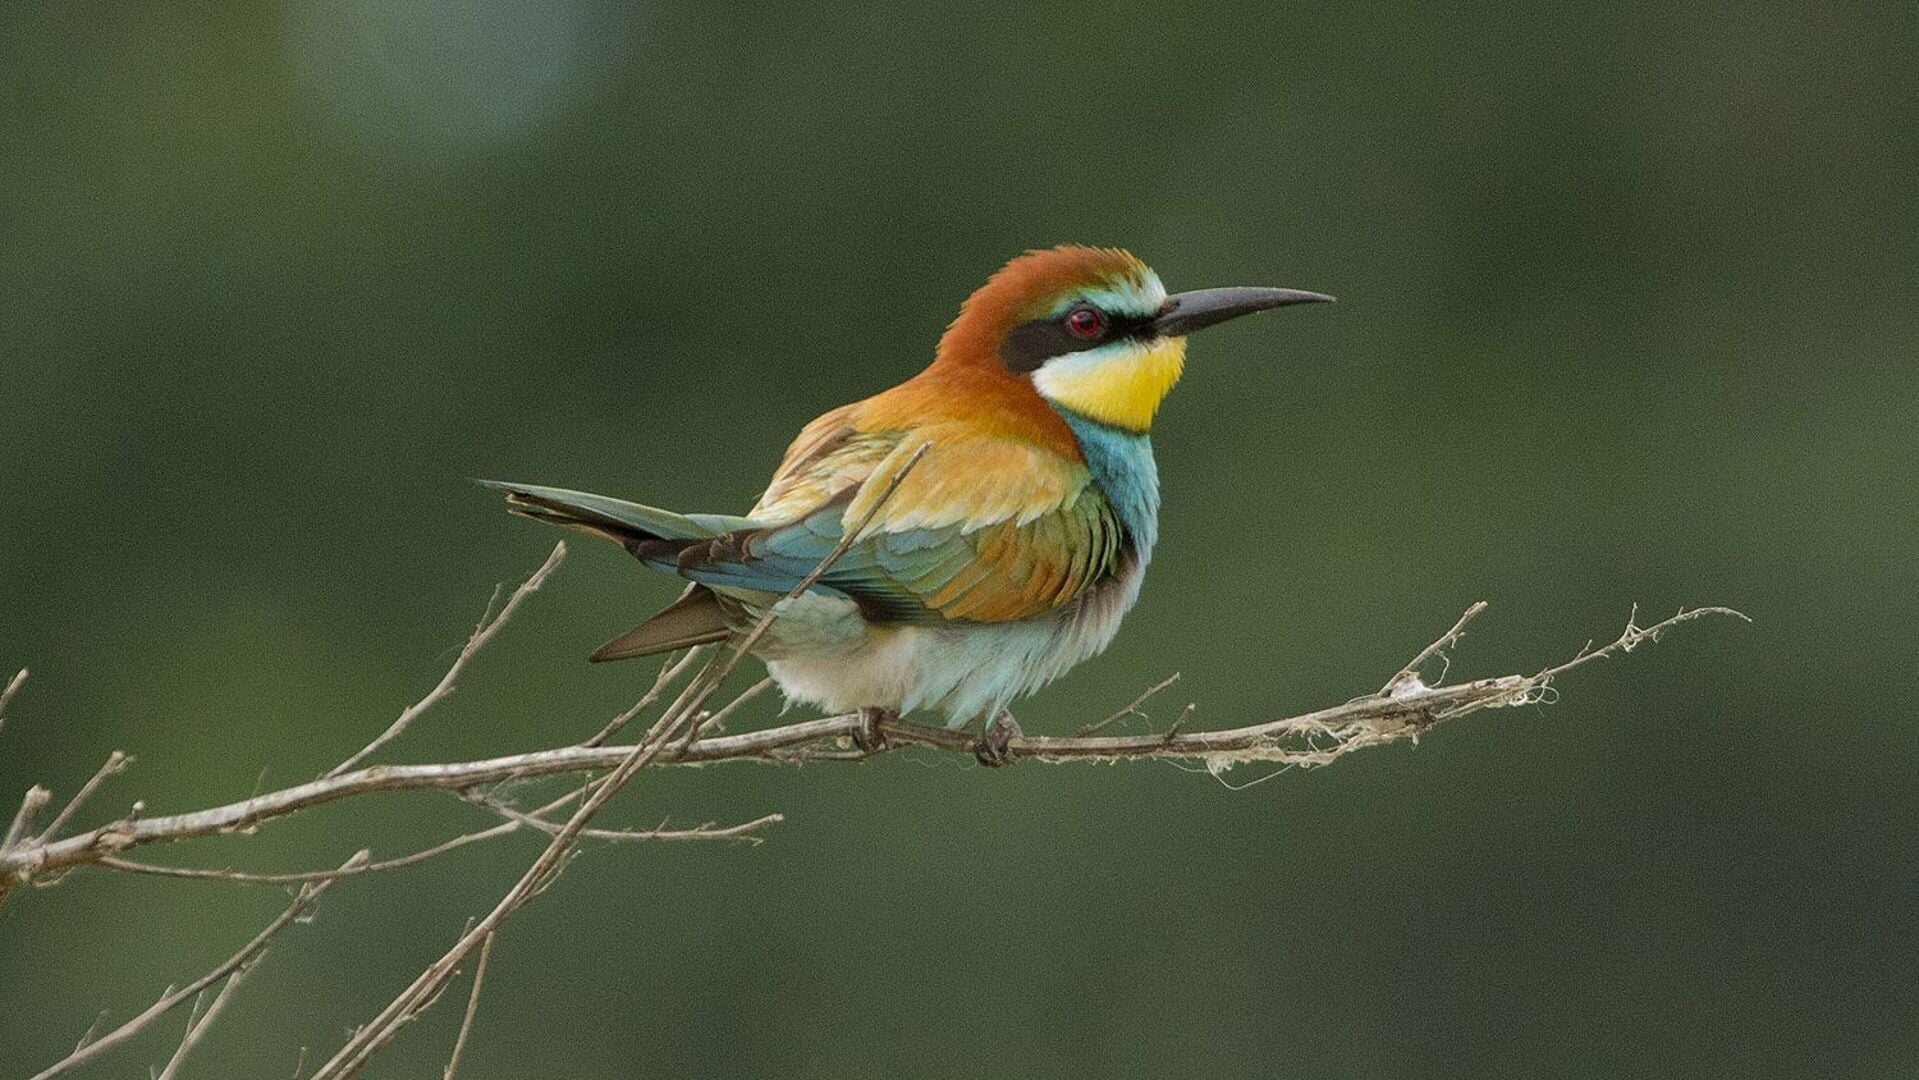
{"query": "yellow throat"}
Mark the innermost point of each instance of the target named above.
(1121, 385)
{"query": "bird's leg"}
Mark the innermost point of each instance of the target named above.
(996, 740)
(870, 737)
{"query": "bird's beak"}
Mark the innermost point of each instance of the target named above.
(1186, 312)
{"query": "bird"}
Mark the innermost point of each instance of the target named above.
(1003, 505)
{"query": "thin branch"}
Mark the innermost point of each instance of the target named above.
(1410, 673)
(193, 1017)
(1634, 636)
(1131, 708)
(472, 1007)
(482, 633)
(1180, 720)
(302, 903)
(717, 722)
(13, 687)
(1313, 738)
(93, 1029)
(115, 764)
(300, 877)
(669, 673)
(197, 1025)
(34, 801)
(743, 831)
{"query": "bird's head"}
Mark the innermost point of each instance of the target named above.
(1094, 329)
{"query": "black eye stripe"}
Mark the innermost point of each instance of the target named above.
(1029, 345)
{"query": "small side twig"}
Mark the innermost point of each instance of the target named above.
(34, 801)
(116, 763)
(302, 876)
(1410, 673)
(302, 903)
(743, 831)
(1635, 635)
(1172, 730)
(1131, 708)
(482, 633)
(6, 695)
(198, 1023)
(472, 1008)
(717, 722)
(669, 674)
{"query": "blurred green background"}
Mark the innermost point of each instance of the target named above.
(1628, 307)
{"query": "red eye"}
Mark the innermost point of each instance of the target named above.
(1085, 322)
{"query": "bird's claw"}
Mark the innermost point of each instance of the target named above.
(870, 736)
(995, 743)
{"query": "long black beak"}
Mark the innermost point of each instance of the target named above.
(1189, 311)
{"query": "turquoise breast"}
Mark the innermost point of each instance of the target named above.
(1122, 465)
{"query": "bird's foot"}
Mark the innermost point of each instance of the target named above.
(870, 737)
(996, 741)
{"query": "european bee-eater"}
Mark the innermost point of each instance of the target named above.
(1012, 547)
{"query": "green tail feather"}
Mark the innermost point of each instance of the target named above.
(696, 618)
(615, 519)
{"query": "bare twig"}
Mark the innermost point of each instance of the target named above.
(1634, 636)
(93, 1029)
(482, 633)
(115, 764)
(302, 903)
(1179, 721)
(34, 801)
(13, 687)
(472, 1007)
(717, 722)
(1131, 708)
(669, 673)
(299, 877)
(1410, 673)
(743, 831)
(197, 1025)
(193, 1017)
(1302, 740)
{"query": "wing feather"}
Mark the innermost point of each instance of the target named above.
(982, 529)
